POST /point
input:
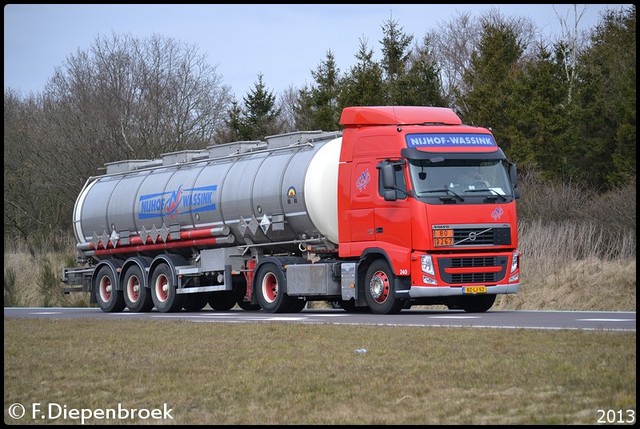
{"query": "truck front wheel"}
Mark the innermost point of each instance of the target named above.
(109, 299)
(163, 290)
(379, 291)
(270, 284)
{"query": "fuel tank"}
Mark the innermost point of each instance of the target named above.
(281, 192)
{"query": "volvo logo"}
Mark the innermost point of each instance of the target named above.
(473, 235)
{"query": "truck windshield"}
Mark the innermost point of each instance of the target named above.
(460, 177)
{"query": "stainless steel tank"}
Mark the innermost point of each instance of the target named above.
(280, 192)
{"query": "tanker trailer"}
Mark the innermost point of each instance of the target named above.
(190, 219)
(372, 218)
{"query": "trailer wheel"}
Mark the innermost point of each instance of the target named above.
(136, 297)
(163, 290)
(378, 289)
(477, 304)
(270, 283)
(109, 299)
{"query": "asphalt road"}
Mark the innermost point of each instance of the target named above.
(578, 320)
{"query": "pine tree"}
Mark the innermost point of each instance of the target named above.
(395, 55)
(324, 95)
(260, 114)
(363, 85)
(420, 85)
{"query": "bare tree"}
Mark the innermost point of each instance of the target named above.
(124, 98)
(571, 45)
(454, 42)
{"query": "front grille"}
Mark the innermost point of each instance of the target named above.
(473, 262)
(472, 237)
(473, 278)
(478, 262)
(481, 236)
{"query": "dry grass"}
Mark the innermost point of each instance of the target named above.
(37, 279)
(569, 266)
(565, 266)
(280, 373)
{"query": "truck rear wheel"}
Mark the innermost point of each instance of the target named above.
(136, 297)
(270, 283)
(298, 305)
(378, 289)
(163, 290)
(240, 288)
(109, 299)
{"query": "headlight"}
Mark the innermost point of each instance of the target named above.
(515, 260)
(427, 264)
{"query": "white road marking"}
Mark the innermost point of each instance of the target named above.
(454, 317)
(330, 315)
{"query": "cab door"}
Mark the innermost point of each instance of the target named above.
(364, 182)
(392, 219)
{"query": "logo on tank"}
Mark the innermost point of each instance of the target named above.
(292, 197)
(177, 202)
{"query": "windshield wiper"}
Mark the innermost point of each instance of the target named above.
(442, 190)
(493, 191)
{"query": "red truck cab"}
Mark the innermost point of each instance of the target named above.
(433, 198)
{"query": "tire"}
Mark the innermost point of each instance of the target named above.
(195, 301)
(240, 289)
(109, 299)
(477, 304)
(222, 301)
(137, 298)
(163, 290)
(350, 307)
(298, 305)
(378, 289)
(247, 306)
(269, 284)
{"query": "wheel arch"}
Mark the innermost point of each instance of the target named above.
(401, 284)
(114, 265)
(171, 260)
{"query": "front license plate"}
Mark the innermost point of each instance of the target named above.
(475, 289)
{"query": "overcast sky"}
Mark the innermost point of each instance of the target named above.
(283, 42)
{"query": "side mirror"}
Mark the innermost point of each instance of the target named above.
(388, 177)
(513, 175)
(390, 195)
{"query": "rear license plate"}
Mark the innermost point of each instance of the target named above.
(472, 290)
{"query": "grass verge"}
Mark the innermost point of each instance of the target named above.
(278, 373)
